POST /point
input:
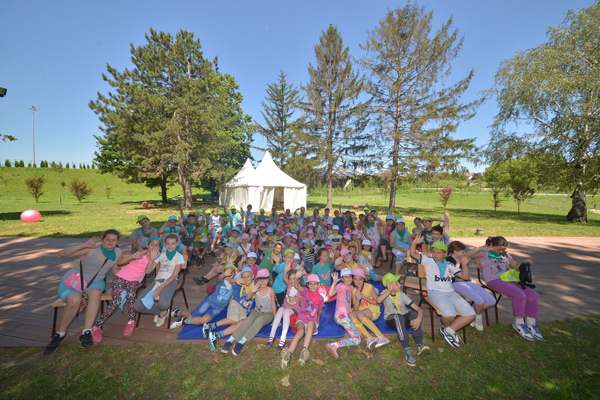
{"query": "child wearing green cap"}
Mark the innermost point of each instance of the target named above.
(439, 273)
(140, 236)
(400, 313)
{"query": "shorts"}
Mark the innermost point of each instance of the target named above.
(305, 322)
(213, 234)
(449, 303)
(279, 298)
(64, 291)
(375, 310)
(200, 245)
(206, 309)
(236, 312)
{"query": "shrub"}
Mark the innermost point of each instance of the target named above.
(34, 165)
(28, 165)
(496, 198)
(7, 163)
(445, 193)
(35, 186)
(80, 189)
(67, 166)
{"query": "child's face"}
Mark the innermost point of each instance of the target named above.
(289, 258)
(171, 244)
(324, 256)
(228, 250)
(438, 254)
(172, 222)
(427, 224)
(251, 261)
(352, 250)
(418, 222)
(348, 257)
(247, 278)
(110, 241)
(296, 261)
(395, 287)
(288, 240)
(145, 223)
(400, 226)
(271, 246)
(277, 248)
(358, 280)
(435, 235)
(263, 282)
(458, 254)
(215, 212)
(366, 247)
(154, 245)
(235, 234)
(313, 286)
(192, 220)
(499, 249)
(335, 231)
(347, 280)
(346, 242)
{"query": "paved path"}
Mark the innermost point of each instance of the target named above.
(566, 273)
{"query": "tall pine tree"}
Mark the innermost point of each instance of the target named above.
(336, 116)
(415, 111)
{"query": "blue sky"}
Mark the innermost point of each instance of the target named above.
(53, 53)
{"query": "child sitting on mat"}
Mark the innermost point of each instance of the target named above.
(291, 305)
(366, 309)
(262, 314)
(401, 313)
(308, 318)
(212, 305)
(343, 291)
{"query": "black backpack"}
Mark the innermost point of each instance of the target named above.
(525, 275)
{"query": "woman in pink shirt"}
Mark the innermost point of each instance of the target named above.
(124, 288)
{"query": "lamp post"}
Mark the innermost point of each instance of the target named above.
(33, 110)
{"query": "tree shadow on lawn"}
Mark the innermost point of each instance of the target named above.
(14, 216)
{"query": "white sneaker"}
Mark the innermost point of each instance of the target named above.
(160, 321)
(177, 324)
(535, 332)
(479, 323)
(523, 331)
(155, 318)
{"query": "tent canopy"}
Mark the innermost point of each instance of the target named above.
(263, 187)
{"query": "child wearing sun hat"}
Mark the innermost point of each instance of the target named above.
(400, 313)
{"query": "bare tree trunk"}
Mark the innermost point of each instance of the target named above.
(186, 184)
(578, 212)
(163, 190)
(394, 176)
(330, 186)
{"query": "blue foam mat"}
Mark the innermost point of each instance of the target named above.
(328, 328)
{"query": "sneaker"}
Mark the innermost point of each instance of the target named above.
(97, 334)
(423, 350)
(206, 329)
(457, 338)
(449, 338)
(177, 324)
(160, 321)
(237, 348)
(212, 340)
(174, 314)
(410, 358)
(86, 340)
(226, 347)
(285, 357)
(478, 323)
(270, 342)
(155, 318)
(332, 349)
(202, 280)
(54, 343)
(370, 342)
(128, 331)
(523, 331)
(381, 341)
(304, 356)
(280, 346)
(535, 332)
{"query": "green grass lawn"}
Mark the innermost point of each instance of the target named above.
(495, 364)
(468, 211)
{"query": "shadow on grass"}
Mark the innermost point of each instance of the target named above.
(13, 216)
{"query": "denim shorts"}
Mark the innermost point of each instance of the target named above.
(449, 303)
(206, 309)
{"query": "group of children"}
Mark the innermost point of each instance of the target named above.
(284, 268)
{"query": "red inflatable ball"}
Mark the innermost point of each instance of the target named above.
(356, 206)
(30, 216)
(145, 204)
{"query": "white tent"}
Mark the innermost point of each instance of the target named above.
(264, 187)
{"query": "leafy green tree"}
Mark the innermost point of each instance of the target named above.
(80, 189)
(553, 89)
(416, 112)
(516, 176)
(7, 163)
(281, 129)
(336, 116)
(35, 186)
(173, 113)
(8, 138)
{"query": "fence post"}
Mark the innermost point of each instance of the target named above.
(564, 201)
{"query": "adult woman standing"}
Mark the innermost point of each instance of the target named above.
(98, 256)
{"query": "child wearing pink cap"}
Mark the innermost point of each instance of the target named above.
(308, 318)
(343, 291)
(262, 314)
(366, 309)
(245, 246)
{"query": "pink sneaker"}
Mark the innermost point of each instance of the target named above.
(128, 331)
(382, 341)
(96, 335)
(332, 350)
(371, 342)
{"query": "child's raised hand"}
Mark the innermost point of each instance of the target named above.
(336, 278)
(256, 287)
(464, 260)
(138, 255)
(419, 238)
(299, 273)
(92, 242)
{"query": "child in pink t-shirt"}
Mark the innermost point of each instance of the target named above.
(125, 285)
(342, 309)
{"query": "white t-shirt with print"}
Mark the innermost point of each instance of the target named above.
(434, 280)
(167, 266)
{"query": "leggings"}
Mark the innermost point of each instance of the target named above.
(251, 325)
(285, 314)
(474, 292)
(163, 302)
(354, 340)
(401, 323)
(525, 301)
(118, 285)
